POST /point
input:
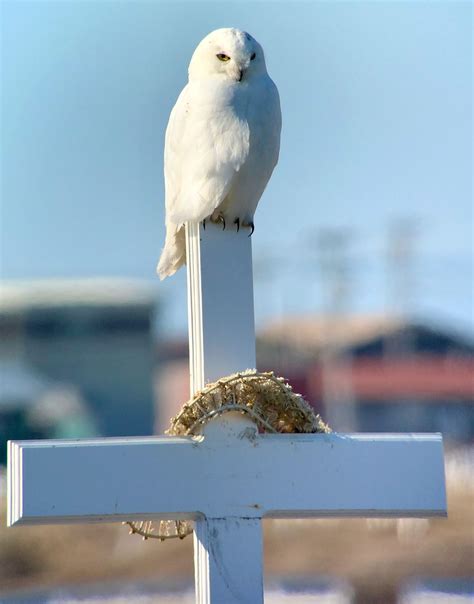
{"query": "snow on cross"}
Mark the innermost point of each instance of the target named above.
(234, 476)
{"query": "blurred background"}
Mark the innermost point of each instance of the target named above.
(363, 266)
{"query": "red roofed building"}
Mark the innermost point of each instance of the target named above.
(377, 374)
(424, 377)
(365, 374)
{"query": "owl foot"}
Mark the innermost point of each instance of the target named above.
(204, 224)
(250, 225)
(216, 218)
(237, 222)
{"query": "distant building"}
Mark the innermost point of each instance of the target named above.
(377, 374)
(364, 374)
(76, 352)
(171, 380)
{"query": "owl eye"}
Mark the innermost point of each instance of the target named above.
(222, 57)
(252, 56)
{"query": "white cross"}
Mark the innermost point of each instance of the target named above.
(230, 477)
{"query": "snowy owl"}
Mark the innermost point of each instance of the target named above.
(222, 140)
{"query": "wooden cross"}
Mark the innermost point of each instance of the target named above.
(229, 478)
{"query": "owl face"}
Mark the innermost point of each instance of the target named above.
(229, 54)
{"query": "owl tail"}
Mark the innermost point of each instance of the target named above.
(173, 255)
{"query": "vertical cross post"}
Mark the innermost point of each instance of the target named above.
(227, 551)
(220, 303)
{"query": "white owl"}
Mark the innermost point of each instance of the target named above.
(222, 140)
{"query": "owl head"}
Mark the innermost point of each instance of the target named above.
(230, 54)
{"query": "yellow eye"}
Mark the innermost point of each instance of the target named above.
(222, 57)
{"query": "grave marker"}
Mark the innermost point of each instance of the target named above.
(229, 478)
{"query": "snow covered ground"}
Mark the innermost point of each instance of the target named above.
(416, 594)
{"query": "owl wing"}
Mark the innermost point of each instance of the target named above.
(205, 145)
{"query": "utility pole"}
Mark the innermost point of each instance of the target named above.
(401, 252)
(401, 258)
(332, 248)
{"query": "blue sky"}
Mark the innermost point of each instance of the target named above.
(377, 112)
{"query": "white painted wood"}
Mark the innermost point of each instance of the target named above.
(220, 302)
(230, 477)
(222, 342)
(228, 555)
(242, 476)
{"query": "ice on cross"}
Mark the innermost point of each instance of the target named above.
(230, 477)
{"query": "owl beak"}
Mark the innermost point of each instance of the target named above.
(238, 70)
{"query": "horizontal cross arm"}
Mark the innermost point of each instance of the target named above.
(293, 475)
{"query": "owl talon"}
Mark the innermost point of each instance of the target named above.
(251, 227)
(237, 222)
(204, 224)
(216, 218)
